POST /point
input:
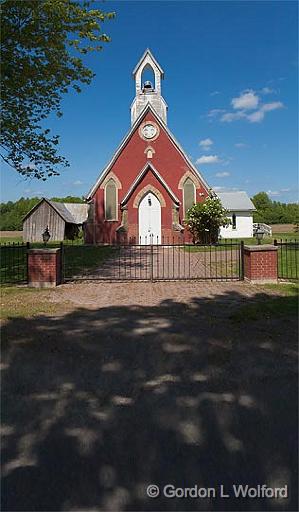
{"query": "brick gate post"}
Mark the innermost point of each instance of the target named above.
(260, 263)
(44, 268)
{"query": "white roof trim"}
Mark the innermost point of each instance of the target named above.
(147, 166)
(147, 52)
(128, 136)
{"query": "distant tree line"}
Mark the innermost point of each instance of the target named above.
(12, 213)
(274, 212)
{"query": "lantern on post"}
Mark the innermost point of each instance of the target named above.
(46, 236)
(259, 234)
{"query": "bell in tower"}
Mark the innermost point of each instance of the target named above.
(147, 87)
(148, 92)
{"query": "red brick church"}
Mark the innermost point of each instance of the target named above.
(144, 193)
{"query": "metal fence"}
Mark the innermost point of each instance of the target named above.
(13, 263)
(288, 259)
(154, 262)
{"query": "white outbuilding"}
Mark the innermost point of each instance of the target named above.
(240, 208)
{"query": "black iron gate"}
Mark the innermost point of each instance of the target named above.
(155, 262)
(288, 259)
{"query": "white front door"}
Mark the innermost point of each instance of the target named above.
(149, 218)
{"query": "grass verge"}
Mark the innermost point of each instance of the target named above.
(80, 259)
(286, 304)
(25, 302)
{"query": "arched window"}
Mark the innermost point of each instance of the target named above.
(189, 195)
(234, 221)
(110, 200)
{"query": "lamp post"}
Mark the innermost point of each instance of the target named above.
(259, 234)
(46, 236)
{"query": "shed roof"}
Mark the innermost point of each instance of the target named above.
(236, 201)
(72, 213)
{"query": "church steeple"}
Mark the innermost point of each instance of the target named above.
(147, 92)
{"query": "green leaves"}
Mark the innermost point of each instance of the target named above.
(274, 212)
(39, 41)
(204, 220)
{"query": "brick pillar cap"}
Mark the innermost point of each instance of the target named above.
(44, 251)
(256, 248)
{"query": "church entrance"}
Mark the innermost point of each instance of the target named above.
(149, 220)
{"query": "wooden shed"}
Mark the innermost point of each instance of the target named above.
(63, 220)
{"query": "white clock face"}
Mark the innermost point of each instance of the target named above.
(149, 131)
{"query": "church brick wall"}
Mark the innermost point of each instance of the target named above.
(169, 163)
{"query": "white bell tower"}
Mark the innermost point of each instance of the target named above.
(147, 92)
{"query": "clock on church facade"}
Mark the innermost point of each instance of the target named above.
(144, 193)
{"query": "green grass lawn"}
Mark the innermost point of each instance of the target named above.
(77, 259)
(11, 239)
(288, 261)
(274, 307)
(13, 264)
(249, 241)
(23, 302)
(288, 256)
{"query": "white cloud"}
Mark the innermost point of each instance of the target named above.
(226, 162)
(273, 192)
(208, 159)
(267, 107)
(267, 90)
(77, 183)
(232, 116)
(215, 112)
(223, 174)
(206, 143)
(285, 190)
(214, 93)
(256, 117)
(247, 100)
(33, 192)
(241, 145)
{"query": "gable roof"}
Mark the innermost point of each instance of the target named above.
(149, 53)
(72, 213)
(125, 140)
(148, 166)
(62, 210)
(236, 201)
(79, 211)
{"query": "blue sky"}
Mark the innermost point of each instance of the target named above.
(231, 80)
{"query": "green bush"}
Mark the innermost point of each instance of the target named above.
(204, 220)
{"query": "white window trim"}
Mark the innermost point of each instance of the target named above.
(194, 196)
(116, 200)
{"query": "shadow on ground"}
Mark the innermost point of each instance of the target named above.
(100, 403)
